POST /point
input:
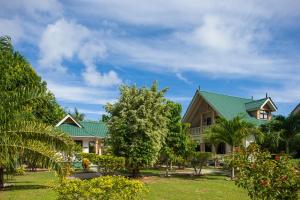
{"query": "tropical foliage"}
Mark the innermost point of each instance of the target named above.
(138, 125)
(24, 139)
(265, 178)
(287, 128)
(16, 71)
(77, 115)
(232, 132)
(177, 143)
(102, 188)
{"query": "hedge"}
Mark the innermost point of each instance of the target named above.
(102, 188)
(106, 164)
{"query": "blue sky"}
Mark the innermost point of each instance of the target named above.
(86, 49)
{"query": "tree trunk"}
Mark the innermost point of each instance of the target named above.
(1, 178)
(232, 168)
(136, 172)
(287, 147)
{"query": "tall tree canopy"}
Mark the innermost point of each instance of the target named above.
(16, 72)
(138, 125)
(178, 143)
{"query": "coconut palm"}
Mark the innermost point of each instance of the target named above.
(232, 132)
(287, 127)
(77, 115)
(25, 140)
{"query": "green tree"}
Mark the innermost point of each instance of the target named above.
(232, 132)
(16, 72)
(138, 125)
(77, 115)
(288, 128)
(25, 140)
(198, 160)
(178, 142)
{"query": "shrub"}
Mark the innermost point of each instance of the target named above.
(198, 160)
(102, 188)
(106, 164)
(264, 177)
(20, 171)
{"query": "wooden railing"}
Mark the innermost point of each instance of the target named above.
(196, 132)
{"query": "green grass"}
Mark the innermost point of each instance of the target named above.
(34, 186)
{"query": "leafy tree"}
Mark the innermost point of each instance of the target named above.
(26, 140)
(138, 125)
(16, 72)
(232, 132)
(105, 118)
(178, 142)
(288, 128)
(77, 115)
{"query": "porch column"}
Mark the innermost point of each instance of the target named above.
(202, 147)
(97, 148)
(100, 147)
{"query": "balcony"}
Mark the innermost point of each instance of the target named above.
(196, 132)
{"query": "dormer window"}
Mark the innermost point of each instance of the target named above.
(263, 115)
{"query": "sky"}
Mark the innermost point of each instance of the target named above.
(86, 49)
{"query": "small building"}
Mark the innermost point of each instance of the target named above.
(89, 135)
(296, 110)
(206, 107)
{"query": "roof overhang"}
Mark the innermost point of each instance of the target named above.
(68, 116)
(296, 110)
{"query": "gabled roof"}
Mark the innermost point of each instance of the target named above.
(230, 106)
(259, 104)
(83, 129)
(296, 110)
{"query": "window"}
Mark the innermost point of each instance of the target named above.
(208, 121)
(92, 147)
(78, 142)
(263, 114)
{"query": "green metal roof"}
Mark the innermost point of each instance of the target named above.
(89, 129)
(254, 105)
(230, 106)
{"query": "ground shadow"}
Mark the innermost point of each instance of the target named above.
(25, 187)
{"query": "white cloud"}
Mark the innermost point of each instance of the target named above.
(81, 94)
(39, 10)
(64, 40)
(11, 27)
(93, 112)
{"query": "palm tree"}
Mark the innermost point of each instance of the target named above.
(77, 115)
(232, 132)
(25, 140)
(287, 127)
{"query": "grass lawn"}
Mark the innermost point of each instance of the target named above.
(34, 186)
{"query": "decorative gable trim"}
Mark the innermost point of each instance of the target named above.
(296, 110)
(66, 117)
(269, 100)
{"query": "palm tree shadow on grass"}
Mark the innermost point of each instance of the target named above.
(24, 187)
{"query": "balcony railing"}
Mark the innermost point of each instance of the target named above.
(196, 132)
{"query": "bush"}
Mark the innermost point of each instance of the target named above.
(106, 164)
(264, 177)
(102, 188)
(198, 160)
(20, 171)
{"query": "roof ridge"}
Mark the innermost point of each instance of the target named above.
(257, 100)
(225, 95)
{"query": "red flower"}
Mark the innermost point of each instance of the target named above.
(277, 157)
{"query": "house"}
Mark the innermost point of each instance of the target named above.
(206, 107)
(89, 135)
(296, 110)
